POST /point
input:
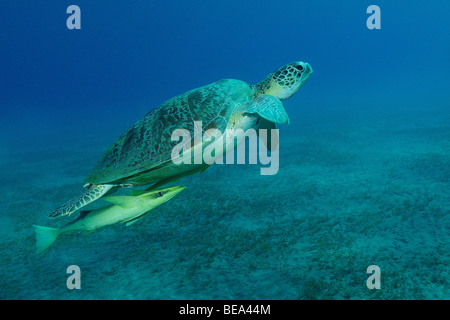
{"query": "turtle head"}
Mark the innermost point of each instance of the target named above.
(286, 81)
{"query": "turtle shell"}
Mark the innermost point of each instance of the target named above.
(147, 144)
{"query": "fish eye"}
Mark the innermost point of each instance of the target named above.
(160, 194)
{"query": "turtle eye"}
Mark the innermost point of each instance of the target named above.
(160, 194)
(299, 67)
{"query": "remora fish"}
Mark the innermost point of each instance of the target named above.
(127, 209)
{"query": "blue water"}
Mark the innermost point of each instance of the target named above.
(364, 165)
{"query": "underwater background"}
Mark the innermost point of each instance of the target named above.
(364, 173)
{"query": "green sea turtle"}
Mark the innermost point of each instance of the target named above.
(142, 155)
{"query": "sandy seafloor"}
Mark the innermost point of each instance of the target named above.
(352, 190)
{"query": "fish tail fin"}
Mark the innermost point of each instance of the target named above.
(45, 236)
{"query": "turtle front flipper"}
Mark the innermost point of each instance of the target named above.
(269, 108)
(91, 193)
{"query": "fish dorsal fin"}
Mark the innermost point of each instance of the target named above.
(137, 193)
(125, 202)
(176, 178)
(84, 213)
(81, 216)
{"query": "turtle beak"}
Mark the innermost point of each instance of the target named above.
(305, 67)
(308, 69)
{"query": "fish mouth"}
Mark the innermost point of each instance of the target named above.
(178, 189)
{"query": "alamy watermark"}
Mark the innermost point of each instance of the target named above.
(374, 280)
(208, 147)
(74, 20)
(374, 20)
(74, 280)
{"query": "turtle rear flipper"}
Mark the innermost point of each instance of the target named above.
(91, 193)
